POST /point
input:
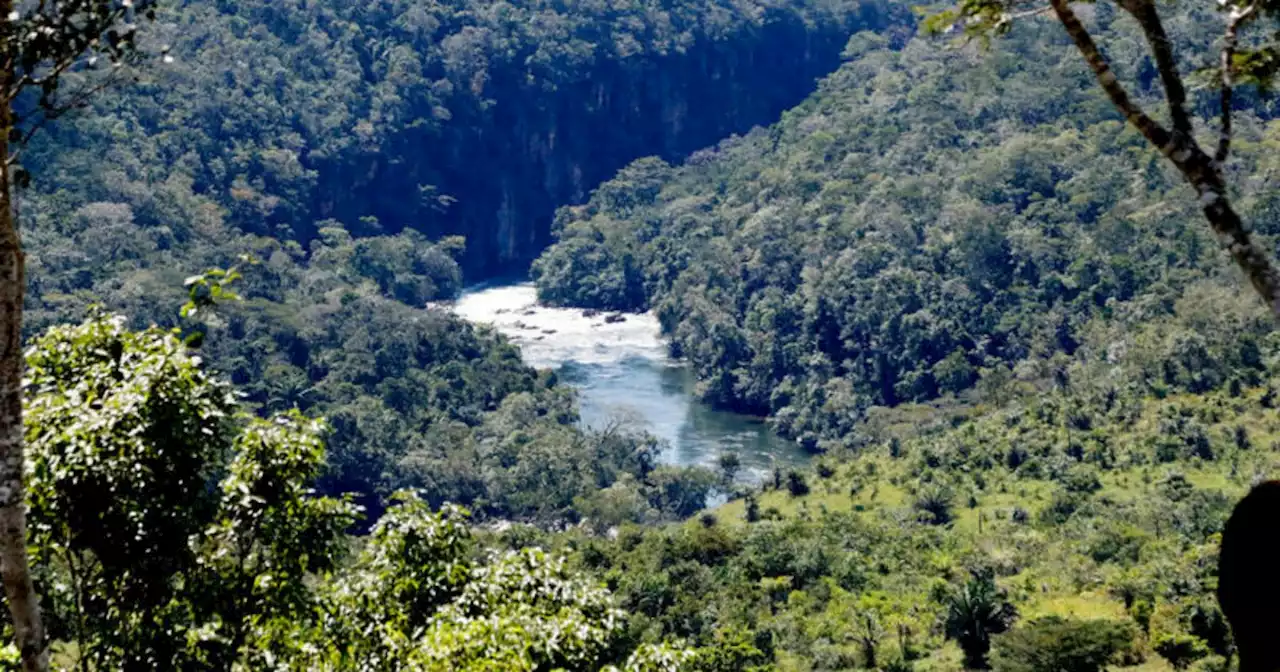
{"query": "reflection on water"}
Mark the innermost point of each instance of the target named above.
(624, 374)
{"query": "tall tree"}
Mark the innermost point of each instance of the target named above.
(54, 54)
(975, 612)
(1252, 61)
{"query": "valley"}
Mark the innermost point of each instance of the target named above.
(682, 336)
(624, 376)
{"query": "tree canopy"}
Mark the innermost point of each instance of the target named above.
(172, 530)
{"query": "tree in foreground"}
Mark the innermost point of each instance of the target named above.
(173, 531)
(975, 612)
(1247, 54)
(53, 56)
(170, 531)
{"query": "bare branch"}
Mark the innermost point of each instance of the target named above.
(1133, 113)
(1144, 12)
(1027, 14)
(29, 80)
(74, 102)
(1181, 149)
(1229, 41)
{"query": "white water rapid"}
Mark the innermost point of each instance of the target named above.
(622, 370)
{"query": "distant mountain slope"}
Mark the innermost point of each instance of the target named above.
(463, 117)
(334, 141)
(928, 219)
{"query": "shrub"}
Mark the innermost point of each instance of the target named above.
(796, 484)
(1181, 650)
(1055, 644)
(752, 513)
(1061, 508)
(975, 612)
(1242, 438)
(1082, 479)
(935, 503)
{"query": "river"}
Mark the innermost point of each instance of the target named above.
(622, 371)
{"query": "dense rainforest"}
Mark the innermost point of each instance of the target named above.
(455, 118)
(340, 146)
(930, 219)
(1033, 383)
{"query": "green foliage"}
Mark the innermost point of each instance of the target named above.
(797, 485)
(934, 502)
(988, 239)
(416, 599)
(729, 463)
(1055, 644)
(415, 397)
(153, 549)
(312, 125)
(976, 611)
(173, 532)
(270, 537)
(1181, 649)
(997, 224)
(851, 571)
(208, 289)
(294, 133)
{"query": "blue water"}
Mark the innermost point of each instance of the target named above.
(624, 375)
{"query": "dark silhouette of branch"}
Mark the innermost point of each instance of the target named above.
(1229, 41)
(1198, 168)
(1144, 12)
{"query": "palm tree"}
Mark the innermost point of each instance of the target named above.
(975, 612)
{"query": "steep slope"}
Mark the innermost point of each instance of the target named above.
(324, 139)
(928, 219)
(470, 118)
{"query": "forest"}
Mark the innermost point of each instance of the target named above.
(848, 258)
(1031, 380)
(1035, 381)
(452, 118)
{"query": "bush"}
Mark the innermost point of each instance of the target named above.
(1082, 479)
(1055, 644)
(796, 484)
(975, 612)
(752, 512)
(1180, 650)
(935, 503)
(1241, 437)
(1061, 508)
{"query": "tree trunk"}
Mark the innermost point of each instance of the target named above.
(1200, 170)
(14, 569)
(1233, 234)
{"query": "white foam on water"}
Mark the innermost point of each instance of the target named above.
(624, 372)
(551, 337)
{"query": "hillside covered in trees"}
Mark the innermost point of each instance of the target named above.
(453, 118)
(339, 146)
(1039, 383)
(1074, 531)
(1034, 383)
(929, 221)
